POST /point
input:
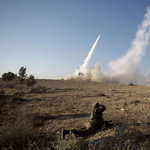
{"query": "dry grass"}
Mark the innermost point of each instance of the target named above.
(125, 137)
(18, 131)
(2, 91)
(20, 134)
(33, 118)
(38, 89)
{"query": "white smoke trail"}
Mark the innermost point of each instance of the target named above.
(123, 70)
(83, 68)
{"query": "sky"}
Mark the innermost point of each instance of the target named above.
(51, 38)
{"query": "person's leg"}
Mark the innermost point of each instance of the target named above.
(89, 128)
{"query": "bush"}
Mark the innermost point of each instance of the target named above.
(30, 81)
(4, 77)
(8, 76)
(131, 84)
(22, 74)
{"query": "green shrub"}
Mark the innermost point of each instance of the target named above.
(30, 81)
(131, 84)
(8, 76)
(4, 77)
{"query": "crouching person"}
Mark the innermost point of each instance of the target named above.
(95, 121)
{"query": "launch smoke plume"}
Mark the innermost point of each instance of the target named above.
(137, 49)
(124, 69)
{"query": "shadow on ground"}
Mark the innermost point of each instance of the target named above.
(61, 117)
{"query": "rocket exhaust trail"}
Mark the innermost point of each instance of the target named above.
(125, 69)
(83, 68)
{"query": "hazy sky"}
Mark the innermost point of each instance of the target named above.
(51, 38)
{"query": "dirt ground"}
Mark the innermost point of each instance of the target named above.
(68, 104)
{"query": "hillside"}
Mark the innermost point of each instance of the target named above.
(52, 105)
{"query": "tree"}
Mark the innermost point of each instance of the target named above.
(30, 81)
(22, 74)
(8, 76)
(4, 77)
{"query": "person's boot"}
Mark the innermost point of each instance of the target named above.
(74, 133)
(64, 132)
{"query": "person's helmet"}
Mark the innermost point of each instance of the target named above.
(96, 105)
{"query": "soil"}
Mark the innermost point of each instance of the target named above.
(68, 104)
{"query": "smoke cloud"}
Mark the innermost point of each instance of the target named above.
(125, 69)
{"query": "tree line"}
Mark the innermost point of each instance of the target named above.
(23, 78)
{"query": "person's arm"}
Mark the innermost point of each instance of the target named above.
(101, 109)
